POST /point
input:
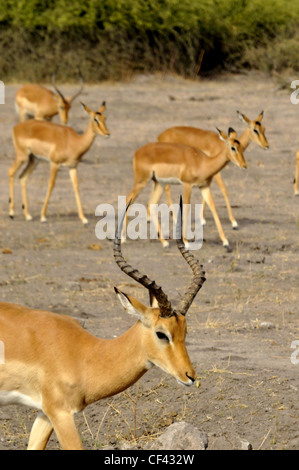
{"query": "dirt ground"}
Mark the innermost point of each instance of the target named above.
(245, 318)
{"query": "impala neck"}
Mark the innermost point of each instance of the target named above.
(86, 139)
(121, 361)
(215, 164)
(245, 138)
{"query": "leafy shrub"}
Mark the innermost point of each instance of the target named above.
(114, 38)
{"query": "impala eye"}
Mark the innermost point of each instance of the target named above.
(162, 336)
(256, 131)
(234, 149)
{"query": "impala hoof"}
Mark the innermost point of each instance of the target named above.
(235, 225)
(85, 222)
(43, 220)
(165, 244)
(226, 245)
(28, 218)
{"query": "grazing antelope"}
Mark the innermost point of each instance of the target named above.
(60, 145)
(171, 163)
(209, 143)
(296, 180)
(56, 366)
(36, 101)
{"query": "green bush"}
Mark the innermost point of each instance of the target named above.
(115, 38)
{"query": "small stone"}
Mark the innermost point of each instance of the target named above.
(245, 445)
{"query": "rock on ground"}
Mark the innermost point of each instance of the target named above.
(180, 436)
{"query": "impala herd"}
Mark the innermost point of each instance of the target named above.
(53, 364)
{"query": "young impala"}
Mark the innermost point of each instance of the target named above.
(172, 163)
(60, 145)
(209, 143)
(36, 101)
(56, 366)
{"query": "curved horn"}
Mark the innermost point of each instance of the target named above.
(198, 273)
(55, 87)
(163, 302)
(81, 87)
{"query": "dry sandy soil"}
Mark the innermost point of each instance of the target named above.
(247, 385)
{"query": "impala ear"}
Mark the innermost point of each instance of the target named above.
(232, 133)
(102, 107)
(243, 118)
(153, 301)
(85, 108)
(260, 116)
(221, 134)
(133, 307)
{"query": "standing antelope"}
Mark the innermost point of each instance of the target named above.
(60, 145)
(171, 163)
(209, 143)
(296, 180)
(56, 366)
(36, 101)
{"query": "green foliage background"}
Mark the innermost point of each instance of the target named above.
(111, 39)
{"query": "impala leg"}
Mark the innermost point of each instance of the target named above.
(21, 112)
(150, 202)
(202, 215)
(53, 174)
(168, 195)
(12, 172)
(296, 182)
(156, 195)
(40, 432)
(170, 201)
(206, 193)
(223, 188)
(74, 179)
(65, 430)
(32, 162)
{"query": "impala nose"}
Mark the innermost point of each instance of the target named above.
(190, 378)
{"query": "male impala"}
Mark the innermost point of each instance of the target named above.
(209, 143)
(56, 366)
(60, 145)
(171, 163)
(36, 101)
(296, 181)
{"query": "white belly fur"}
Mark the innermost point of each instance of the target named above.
(17, 398)
(168, 180)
